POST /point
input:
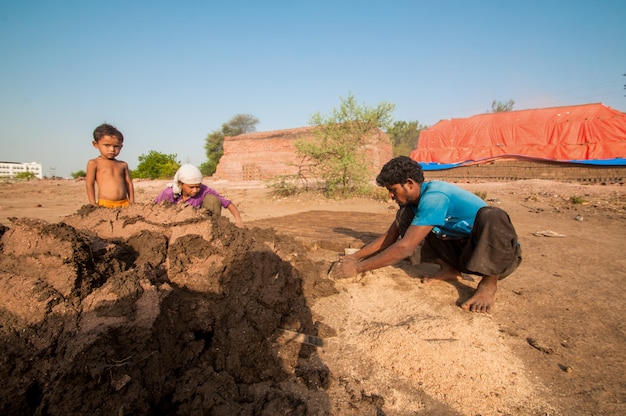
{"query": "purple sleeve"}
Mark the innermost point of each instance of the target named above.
(166, 195)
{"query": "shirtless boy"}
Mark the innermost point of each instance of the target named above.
(112, 176)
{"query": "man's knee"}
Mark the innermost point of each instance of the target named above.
(495, 248)
(489, 213)
(212, 204)
(495, 219)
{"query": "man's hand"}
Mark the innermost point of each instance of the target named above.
(344, 268)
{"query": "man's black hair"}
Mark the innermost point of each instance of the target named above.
(398, 170)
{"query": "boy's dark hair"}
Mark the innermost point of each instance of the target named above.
(107, 130)
(398, 170)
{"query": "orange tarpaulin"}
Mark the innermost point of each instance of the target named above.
(591, 132)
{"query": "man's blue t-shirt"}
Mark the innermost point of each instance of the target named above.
(449, 209)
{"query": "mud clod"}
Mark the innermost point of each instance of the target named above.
(155, 310)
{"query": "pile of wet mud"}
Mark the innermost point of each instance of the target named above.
(156, 310)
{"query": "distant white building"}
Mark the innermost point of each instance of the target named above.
(10, 169)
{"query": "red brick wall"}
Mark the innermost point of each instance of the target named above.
(265, 155)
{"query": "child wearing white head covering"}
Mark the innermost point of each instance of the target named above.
(187, 174)
(188, 188)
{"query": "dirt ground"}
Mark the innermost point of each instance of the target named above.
(154, 310)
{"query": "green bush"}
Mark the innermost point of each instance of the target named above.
(25, 176)
(336, 153)
(156, 165)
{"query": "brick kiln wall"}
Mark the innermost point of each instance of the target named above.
(265, 155)
(509, 170)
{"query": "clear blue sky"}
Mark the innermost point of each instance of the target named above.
(168, 73)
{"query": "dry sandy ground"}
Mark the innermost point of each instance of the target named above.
(556, 343)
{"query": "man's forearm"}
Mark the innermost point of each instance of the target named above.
(391, 255)
(381, 243)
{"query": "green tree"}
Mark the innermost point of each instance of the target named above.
(25, 175)
(78, 174)
(240, 124)
(337, 152)
(499, 106)
(156, 165)
(214, 142)
(404, 136)
(214, 147)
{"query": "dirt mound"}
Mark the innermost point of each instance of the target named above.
(157, 310)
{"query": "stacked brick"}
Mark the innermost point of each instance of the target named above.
(266, 155)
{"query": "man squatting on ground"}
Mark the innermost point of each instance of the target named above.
(457, 230)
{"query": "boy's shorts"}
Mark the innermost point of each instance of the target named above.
(113, 204)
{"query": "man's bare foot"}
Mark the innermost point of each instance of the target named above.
(445, 273)
(484, 299)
